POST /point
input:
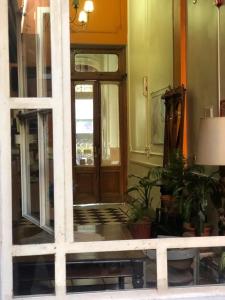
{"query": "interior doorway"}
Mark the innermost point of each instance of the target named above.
(98, 128)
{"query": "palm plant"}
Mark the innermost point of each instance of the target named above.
(198, 189)
(140, 201)
(190, 187)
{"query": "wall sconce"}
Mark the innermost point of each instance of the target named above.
(83, 15)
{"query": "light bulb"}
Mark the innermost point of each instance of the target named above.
(88, 6)
(83, 18)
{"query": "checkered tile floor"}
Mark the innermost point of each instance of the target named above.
(94, 215)
(109, 215)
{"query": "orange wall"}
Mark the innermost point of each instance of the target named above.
(30, 18)
(183, 47)
(106, 25)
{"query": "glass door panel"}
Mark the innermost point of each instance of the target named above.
(86, 149)
(110, 137)
(97, 152)
(84, 115)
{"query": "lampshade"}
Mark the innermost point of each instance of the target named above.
(83, 18)
(211, 142)
(89, 6)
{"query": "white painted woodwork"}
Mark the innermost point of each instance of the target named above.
(60, 103)
(5, 162)
(66, 83)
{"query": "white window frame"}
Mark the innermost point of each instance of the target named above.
(60, 105)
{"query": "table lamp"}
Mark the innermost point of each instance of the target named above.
(211, 148)
(211, 142)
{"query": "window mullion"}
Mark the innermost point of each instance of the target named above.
(58, 142)
(5, 204)
(66, 83)
(5, 161)
(161, 265)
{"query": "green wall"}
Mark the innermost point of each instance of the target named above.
(202, 86)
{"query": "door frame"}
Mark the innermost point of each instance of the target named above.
(120, 77)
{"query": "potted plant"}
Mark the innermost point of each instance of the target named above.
(190, 189)
(171, 178)
(140, 213)
(193, 195)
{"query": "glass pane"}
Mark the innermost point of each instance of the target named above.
(196, 266)
(30, 48)
(49, 179)
(34, 275)
(96, 62)
(110, 137)
(98, 222)
(32, 176)
(110, 271)
(31, 127)
(84, 115)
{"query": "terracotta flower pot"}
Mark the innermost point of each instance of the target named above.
(207, 230)
(141, 230)
(188, 229)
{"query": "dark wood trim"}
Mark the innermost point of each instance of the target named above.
(97, 135)
(118, 75)
(99, 77)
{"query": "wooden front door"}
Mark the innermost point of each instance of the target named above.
(97, 144)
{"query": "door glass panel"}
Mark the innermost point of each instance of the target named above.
(84, 115)
(110, 138)
(86, 62)
(30, 48)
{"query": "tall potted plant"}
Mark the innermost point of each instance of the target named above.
(190, 188)
(141, 213)
(192, 194)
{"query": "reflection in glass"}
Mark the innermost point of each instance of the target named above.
(30, 48)
(34, 275)
(108, 271)
(110, 137)
(32, 176)
(33, 192)
(195, 266)
(48, 213)
(86, 62)
(84, 115)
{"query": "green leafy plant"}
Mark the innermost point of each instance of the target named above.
(140, 201)
(193, 193)
(191, 188)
